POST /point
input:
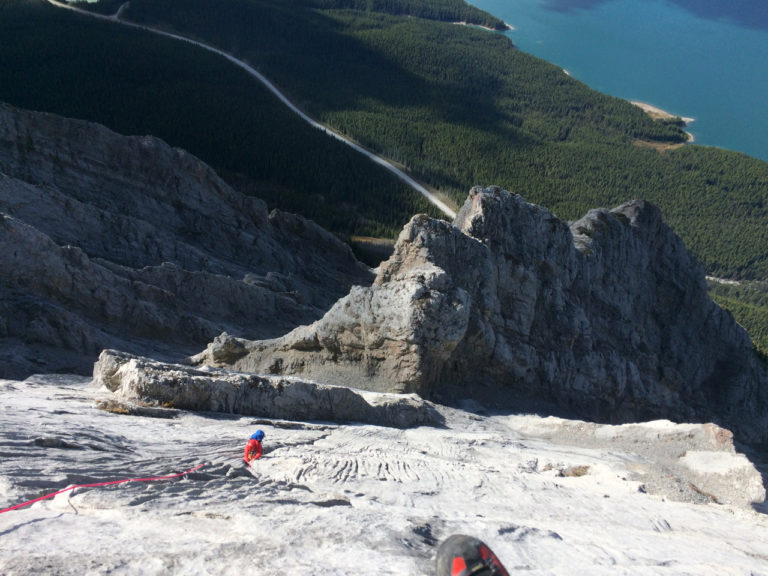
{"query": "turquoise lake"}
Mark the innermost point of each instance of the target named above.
(701, 59)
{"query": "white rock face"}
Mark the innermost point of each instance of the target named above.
(550, 496)
(692, 462)
(608, 318)
(727, 477)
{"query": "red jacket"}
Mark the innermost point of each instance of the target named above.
(252, 450)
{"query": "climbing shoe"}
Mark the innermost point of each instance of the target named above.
(461, 555)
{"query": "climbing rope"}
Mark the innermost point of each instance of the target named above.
(98, 484)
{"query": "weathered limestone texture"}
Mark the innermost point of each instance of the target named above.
(682, 462)
(607, 317)
(146, 381)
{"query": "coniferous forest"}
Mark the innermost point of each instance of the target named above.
(454, 104)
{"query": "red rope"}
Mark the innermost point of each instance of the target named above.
(152, 479)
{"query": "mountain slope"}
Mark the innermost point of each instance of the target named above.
(114, 241)
(137, 83)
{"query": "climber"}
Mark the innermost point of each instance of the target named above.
(253, 447)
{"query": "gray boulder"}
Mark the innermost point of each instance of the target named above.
(607, 318)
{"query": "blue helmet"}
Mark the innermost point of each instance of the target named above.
(258, 435)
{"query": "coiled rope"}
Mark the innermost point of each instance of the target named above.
(98, 484)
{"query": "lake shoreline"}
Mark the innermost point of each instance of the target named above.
(664, 59)
(507, 27)
(660, 114)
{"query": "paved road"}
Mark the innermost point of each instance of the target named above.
(272, 88)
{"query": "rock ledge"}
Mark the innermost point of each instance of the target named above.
(155, 383)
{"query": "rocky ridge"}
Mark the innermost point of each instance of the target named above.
(607, 317)
(108, 241)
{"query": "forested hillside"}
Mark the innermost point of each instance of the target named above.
(456, 105)
(138, 83)
(748, 302)
(460, 106)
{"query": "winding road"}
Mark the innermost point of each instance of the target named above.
(400, 174)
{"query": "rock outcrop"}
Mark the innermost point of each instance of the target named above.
(682, 462)
(148, 382)
(114, 241)
(607, 317)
